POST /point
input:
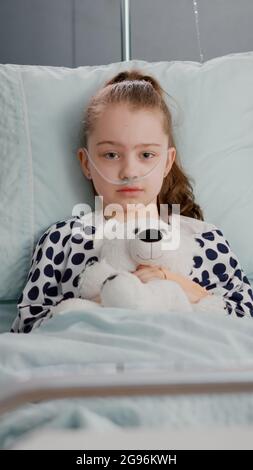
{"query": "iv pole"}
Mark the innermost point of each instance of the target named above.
(126, 52)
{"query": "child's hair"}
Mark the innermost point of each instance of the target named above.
(140, 91)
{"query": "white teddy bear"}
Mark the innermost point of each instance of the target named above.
(111, 277)
(111, 280)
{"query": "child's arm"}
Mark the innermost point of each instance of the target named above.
(192, 289)
(42, 291)
(218, 270)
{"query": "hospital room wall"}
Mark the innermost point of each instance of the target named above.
(87, 32)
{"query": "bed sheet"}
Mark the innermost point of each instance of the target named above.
(96, 338)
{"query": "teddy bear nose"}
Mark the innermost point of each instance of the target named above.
(150, 235)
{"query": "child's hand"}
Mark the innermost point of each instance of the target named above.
(193, 290)
(147, 272)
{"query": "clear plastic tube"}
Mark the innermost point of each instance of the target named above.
(124, 181)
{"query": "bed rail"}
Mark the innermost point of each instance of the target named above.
(125, 383)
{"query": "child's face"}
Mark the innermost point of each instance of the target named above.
(129, 128)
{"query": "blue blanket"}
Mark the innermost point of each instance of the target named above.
(103, 337)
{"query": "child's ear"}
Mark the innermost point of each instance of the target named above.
(170, 159)
(84, 162)
(79, 155)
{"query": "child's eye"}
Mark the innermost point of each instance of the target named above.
(110, 153)
(148, 153)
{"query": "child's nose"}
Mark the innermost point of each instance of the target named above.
(128, 169)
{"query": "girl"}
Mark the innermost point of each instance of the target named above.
(127, 129)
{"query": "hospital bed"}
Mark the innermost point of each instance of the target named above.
(186, 378)
(118, 380)
(121, 380)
